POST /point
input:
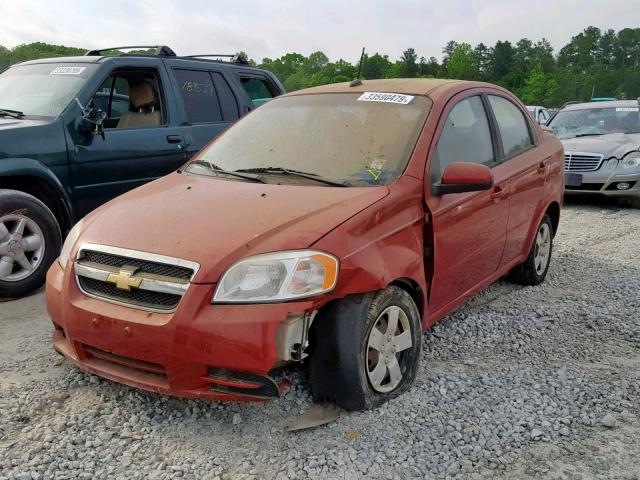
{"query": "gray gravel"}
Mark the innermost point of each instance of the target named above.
(536, 382)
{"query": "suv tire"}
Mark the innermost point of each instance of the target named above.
(30, 241)
(346, 369)
(534, 269)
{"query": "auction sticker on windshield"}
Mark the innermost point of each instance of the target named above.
(627, 109)
(67, 70)
(385, 97)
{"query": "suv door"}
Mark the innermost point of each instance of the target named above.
(139, 145)
(469, 229)
(527, 170)
(207, 101)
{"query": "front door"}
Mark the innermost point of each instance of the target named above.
(469, 228)
(139, 145)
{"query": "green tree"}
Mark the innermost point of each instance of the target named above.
(539, 88)
(461, 63)
(375, 66)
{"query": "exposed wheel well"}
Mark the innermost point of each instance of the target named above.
(413, 289)
(44, 192)
(554, 214)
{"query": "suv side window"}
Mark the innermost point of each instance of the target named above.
(228, 102)
(258, 89)
(131, 99)
(466, 137)
(513, 127)
(200, 98)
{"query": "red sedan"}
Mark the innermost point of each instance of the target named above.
(332, 225)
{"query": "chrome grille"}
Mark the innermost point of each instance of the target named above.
(582, 162)
(127, 277)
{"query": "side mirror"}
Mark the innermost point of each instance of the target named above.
(460, 177)
(92, 119)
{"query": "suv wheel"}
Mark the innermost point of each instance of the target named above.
(366, 349)
(30, 241)
(534, 269)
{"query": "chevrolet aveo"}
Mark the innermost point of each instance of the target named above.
(333, 225)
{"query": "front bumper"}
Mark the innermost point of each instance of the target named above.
(604, 181)
(217, 352)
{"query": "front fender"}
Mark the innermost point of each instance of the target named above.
(28, 167)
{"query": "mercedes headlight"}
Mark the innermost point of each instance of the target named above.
(69, 243)
(630, 160)
(278, 276)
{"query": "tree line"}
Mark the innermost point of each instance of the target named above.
(595, 63)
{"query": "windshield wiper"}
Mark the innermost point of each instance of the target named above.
(11, 113)
(589, 134)
(296, 173)
(221, 171)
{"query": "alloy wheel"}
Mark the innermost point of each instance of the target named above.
(22, 247)
(389, 337)
(543, 248)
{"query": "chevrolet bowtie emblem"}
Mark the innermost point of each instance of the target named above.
(124, 280)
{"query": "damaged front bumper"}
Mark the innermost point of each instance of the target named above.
(216, 352)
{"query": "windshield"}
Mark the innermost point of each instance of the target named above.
(596, 121)
(333, 136)
(42, 89)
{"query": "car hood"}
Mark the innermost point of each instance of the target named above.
(216, 222)
(611, 145)
(10, 123)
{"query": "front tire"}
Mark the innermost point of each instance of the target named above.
(30, 241)
(534, 269)
(366, 349)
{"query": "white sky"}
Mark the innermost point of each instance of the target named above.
(272, 28)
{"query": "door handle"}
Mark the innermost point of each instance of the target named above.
(498, 192)
(542, 168)
(174, 139)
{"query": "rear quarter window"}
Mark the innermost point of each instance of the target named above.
(513, 127)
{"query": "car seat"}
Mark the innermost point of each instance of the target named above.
(144, 99)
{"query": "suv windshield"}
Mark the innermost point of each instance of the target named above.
(596, 121)
(334, 137)
(42, 89)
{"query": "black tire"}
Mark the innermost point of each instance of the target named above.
(526, 273)
(13, 202)
(338, 361)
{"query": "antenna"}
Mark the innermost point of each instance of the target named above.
(360, 64)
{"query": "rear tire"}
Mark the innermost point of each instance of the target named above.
(366, 349)
(534, 269)
(30, 241)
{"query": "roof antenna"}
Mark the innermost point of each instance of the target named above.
(358, 81)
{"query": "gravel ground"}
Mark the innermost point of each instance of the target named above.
(535, 382)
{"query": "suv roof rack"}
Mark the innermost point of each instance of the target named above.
(235, 58)
(161, 50)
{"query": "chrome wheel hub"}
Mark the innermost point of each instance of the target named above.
(21, 247)
(388, 339)
(543, 249)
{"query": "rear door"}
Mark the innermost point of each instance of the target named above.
(523, 163)
(206, 100)
(469, 229)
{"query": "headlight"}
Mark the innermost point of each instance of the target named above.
(631, 160)
(279, 276)
(68, 244)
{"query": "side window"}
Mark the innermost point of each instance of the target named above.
(544, 117)
(200, 99)
(466, 137)
(513, 127)
(257, 89)
(228, 101)
(131, 99)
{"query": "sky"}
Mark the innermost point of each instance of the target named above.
(272, 28)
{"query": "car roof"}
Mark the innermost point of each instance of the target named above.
(407, 86)
(607, 104)
(105, 58)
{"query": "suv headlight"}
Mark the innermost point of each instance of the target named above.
(630, 160)
(278, 276)
(70, 241)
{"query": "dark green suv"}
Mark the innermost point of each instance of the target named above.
(78, 131)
